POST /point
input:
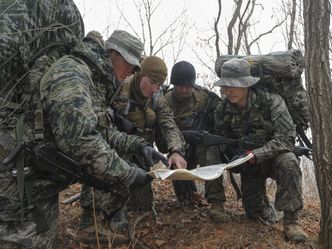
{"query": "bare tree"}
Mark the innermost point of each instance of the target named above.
(216, 22)
(292, 24)
(241, 27)
(292, 30)
(318, 79)
(231, 24)
(171, 36)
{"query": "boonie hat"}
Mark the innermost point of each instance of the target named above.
(127, 45)
(236, 73)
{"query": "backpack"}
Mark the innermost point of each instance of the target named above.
(30, 30)
(280, 72)
(34, 34)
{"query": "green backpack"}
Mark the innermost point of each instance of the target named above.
(34, 33)
(280, 72)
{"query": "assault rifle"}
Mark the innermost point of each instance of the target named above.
(62, 168)
(247, 143)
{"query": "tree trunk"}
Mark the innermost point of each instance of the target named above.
(318, 79)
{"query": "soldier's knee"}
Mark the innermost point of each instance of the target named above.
(287, 162)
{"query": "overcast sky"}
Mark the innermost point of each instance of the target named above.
(104, 16)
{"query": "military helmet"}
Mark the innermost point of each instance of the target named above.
(183, 73)
(236, 73)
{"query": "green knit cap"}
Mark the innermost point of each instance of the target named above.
(155, 68)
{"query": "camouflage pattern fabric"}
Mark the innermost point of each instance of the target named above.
(265, 118)
(295, 96)
(146, 113)
(28, 27)
(75, 120)
(183, 109)
(13, 233)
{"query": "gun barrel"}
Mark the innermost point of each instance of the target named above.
(210, 139)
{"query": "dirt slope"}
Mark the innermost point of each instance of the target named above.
(188, 226)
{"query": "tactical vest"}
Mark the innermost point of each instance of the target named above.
(184, 110)
(142, 115)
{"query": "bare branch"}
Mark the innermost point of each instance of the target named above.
(267, 32)
(231, 25)
(243, 26)
(292, 24)
(216, 29)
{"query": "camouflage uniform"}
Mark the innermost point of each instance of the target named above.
(259, 115)
(27, 32)
(75, 94)
(148, 114)
(184, 109)
(264, 118)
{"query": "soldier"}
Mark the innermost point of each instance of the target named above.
(141, 102)
(69, 112)
(261, 115)
(193, 107)
(124, 62)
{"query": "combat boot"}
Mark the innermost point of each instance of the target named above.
(217, 212)
(87, 229)
(292, 229)
(119, 221)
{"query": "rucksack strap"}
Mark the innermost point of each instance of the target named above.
(25, 186)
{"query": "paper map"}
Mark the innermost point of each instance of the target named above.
(207, 173)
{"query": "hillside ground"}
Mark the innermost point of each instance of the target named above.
(189, 226)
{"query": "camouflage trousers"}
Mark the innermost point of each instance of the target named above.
(106, 203)
(140, 198)
(214, 190)
(18, 227)
(285, 170)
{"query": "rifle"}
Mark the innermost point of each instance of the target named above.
(247, 143)
(62, 168)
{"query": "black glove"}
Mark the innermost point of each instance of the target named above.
(192, 136)
(184, 190)
(151, 156)
(141, 179)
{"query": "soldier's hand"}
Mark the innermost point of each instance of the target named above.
(177, 161)
(151, 156)
(192, 136)
(141, 179)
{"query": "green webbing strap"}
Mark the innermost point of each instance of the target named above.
(20, 161)
(37, 212)
(38, 132)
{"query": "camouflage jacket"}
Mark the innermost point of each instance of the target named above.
(150, 115)
(265, 118)
(187, 109)
(75, 94)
